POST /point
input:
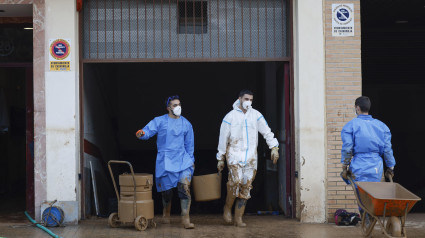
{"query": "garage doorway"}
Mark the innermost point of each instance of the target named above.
(393, 59)
(16, 112)
(120, 98)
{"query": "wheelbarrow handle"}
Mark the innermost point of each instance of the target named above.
(353, 185)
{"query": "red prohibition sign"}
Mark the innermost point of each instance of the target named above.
(59, 49)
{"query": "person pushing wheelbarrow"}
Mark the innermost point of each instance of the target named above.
(365, 142)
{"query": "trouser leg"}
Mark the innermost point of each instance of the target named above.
(240, 180)
(246, 178)
(230, 199)
(167, 197)
(185, 202)
(363, 215)
(239, 211)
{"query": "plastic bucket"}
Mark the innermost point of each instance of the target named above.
(207, 187)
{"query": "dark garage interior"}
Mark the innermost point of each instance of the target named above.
(120, 98)
(393, 69)
(12, 142)
(16, 120)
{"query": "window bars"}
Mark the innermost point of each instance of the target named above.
(182, 29)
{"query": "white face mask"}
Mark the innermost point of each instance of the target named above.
(246, 104)
(177, 111)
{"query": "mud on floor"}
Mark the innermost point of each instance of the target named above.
(211, 226)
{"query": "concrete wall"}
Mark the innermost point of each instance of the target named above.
(309, 99)
(62, 108)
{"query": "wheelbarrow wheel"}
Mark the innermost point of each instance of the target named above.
(141, 223)
(393, 226)
(113, 220)
(368, 223)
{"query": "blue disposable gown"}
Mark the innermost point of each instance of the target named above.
(175, 142)
(365, 142)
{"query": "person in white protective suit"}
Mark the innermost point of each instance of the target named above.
(237, 145)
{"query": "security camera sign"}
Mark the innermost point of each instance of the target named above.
(343, 19)
(60, 55)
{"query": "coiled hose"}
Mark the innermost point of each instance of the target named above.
(41, 227)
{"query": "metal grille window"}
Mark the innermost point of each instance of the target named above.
(185, 30)
(193, 17)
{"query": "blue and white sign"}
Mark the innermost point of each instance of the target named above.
(343, 19)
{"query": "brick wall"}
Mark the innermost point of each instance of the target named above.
(343, 86)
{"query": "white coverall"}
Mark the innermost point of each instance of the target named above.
(238, 142)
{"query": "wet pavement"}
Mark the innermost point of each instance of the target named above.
(209, 226)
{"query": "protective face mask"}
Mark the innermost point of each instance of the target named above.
(246, 104)
(177, 111)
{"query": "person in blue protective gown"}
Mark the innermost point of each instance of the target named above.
(366, 143)
(175, 160)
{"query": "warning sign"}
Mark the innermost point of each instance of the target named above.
(60, 54)
(59, 65)
(59, 49)
(343, 19)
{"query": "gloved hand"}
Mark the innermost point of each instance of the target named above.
(275, 154)
(345, 172)
(389, 173)
(140, 133)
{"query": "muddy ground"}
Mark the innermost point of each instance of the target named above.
(206, 226)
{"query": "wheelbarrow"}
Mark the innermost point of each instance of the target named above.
(385, 203)
(135, 205)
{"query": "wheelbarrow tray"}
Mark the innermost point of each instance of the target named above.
(391, 197)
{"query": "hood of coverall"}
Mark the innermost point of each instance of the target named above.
(236, 105)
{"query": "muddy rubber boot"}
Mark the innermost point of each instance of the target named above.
(185, 205)
(166, 213)
(239, 211)
(167, 197)
(227, 210)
